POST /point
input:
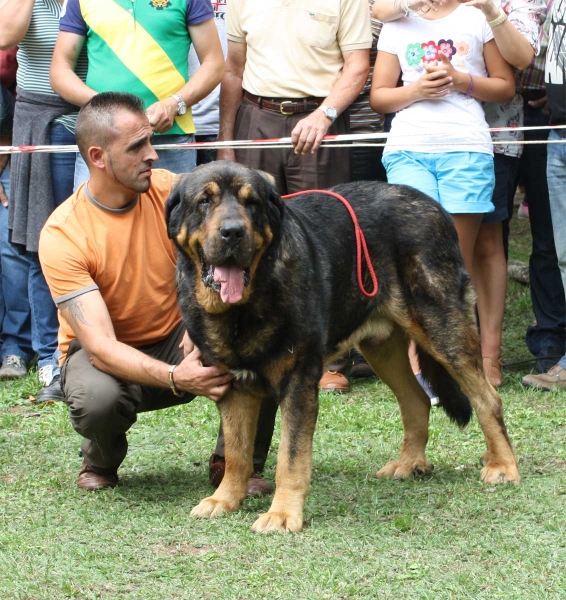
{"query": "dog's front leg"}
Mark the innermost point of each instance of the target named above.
(299, 412)
(239, 413)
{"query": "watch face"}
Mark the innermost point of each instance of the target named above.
(331, 112)
(182, 109)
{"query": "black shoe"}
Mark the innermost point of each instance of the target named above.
(360, 367)
(51, 392)
(548, 357)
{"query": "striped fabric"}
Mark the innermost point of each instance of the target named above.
(362, 118)
(35, 52)
(141, 47)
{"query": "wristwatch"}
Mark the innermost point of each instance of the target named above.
(329, 111)
(181, 106)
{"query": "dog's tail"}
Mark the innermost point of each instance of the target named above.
(451, 397)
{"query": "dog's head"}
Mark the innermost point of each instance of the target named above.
(223, 216)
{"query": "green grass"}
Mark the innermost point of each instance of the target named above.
(447, 536)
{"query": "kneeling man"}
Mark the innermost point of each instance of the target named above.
(111, 269)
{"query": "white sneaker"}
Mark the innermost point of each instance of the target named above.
(46, 375)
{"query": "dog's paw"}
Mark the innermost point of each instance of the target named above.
(210, 508)
(278, 522)
(500, 473)
(399, 470)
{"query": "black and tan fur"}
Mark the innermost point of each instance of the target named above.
(302, 305)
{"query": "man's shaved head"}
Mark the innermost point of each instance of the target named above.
(96, 120)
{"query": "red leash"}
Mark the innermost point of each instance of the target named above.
(360, 241)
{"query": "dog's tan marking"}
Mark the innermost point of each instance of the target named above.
(183, 236)
(292, 478)
(244, 192)
(279, 368)
(377, 328)
(390, 361)
(239, 413)
(213, 189)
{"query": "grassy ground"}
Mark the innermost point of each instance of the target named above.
(447, 536)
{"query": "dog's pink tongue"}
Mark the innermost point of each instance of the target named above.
(231, 283)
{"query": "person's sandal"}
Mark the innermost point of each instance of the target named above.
(492, 368)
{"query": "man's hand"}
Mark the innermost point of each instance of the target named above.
(191, 376)
(307, 134)
(162, 114)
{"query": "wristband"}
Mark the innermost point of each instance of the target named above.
(469, 92)
(172, 382)
(500, 19)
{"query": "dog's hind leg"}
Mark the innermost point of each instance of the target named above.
(239, 413)
(459, 354)
(390, 361)
(299, 411)
(500, 464)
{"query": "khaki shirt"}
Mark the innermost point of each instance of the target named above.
(294, 47)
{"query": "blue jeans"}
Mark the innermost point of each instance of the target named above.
(556, 177)
(45, 324)
(176, 161)
(15, 329)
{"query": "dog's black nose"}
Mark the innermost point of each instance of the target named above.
(232, 232)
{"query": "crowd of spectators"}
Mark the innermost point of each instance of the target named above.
(245, 69)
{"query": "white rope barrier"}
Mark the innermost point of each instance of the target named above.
(335, 141)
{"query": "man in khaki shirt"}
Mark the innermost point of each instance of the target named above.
(293, 68)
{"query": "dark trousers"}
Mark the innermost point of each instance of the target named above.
(547, 293)
(292, 172)
(103, 408)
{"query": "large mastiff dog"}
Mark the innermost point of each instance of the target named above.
(268, 289)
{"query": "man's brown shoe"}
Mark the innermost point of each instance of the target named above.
(257, 485)
(555, 379)
(93, 480)
(332, 381)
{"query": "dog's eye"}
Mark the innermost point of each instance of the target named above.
(203, 202)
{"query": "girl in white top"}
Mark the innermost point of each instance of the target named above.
(439, 141)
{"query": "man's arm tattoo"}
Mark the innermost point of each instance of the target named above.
(75, 311)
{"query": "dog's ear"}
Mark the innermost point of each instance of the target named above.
(276, 207)
(174, 211)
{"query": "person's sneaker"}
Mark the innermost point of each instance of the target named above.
(555, 379)
(51, 392)
(434, 400)
(45, 375)
(523, 212)
(13, 367)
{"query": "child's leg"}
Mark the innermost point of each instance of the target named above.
(465, 187)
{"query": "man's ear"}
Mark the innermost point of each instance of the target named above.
(174, 211)
(96, 156)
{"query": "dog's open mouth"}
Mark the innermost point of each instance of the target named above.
(228, 280)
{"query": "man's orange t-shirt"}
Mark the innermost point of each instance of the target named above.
(125, 254)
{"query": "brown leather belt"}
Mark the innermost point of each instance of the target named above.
(285, 106)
